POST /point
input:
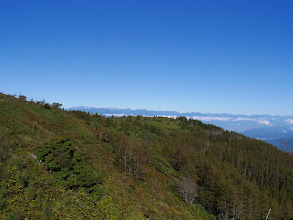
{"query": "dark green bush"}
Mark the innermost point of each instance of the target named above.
(69, 166)
(2, 199)
(47, 106)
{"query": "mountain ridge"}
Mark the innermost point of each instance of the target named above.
(177, 113)
(250, 125)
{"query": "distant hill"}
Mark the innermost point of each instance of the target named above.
(272, 135)
(128, 111)
(269, 128)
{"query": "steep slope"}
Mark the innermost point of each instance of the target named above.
(55, 166)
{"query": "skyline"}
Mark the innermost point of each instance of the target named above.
(193, 56)
(155, 110)
(271, 129)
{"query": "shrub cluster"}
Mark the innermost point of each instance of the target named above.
(69, 166)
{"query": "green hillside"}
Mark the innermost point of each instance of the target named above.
(56, 164)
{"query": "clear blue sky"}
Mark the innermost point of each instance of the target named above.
(206, 56)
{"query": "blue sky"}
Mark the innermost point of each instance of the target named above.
(204, 56)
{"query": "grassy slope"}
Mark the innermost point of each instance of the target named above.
(28, 190)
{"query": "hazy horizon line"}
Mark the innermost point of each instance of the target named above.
(207, 113)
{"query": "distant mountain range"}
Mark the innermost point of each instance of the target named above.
(269, 128)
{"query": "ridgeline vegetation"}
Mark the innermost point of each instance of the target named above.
(57, 164)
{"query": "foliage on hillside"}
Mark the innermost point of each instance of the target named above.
(57, 164)
(237, 177)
